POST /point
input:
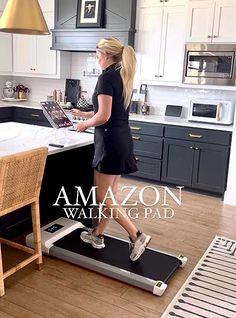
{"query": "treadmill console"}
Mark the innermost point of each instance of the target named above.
(53, 228)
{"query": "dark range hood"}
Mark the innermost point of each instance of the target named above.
(119, 21)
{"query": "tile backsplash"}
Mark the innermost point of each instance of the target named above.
(85, 67)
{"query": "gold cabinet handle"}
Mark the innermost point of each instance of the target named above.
(135, 128)
(34, 115)
(195, 136)
(136, 138)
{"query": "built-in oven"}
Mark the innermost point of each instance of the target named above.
(209, 64)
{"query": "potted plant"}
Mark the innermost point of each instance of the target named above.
(21, 91)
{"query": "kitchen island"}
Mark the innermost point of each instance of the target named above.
(68, 166)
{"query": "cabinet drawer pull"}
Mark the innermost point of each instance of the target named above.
(136, 138)
(195, 136)
(136, 158)
(191, 147)
(35, 115)
(196, 148)
(135, 128)
(218, 111)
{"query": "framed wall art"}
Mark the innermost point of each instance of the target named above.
(90, 13)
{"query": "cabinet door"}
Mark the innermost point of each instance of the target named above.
(148, 43)
(200, 17)
(46, 5)
(2, 4)
(147, 146)
(46, 58)
(30, 116)
(172, 52)
(24, 58)
(32, 54)
(6, 51)
(177, 164)
(225, 13)
(210, 167)
(6, 114)
(148, 168)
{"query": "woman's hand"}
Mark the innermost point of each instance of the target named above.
(76, 112)
(81, 126)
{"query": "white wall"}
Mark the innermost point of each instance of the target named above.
(40, 88)
(230, 193)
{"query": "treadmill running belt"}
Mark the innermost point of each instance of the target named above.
(152, 264)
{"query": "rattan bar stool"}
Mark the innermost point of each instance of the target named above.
(21, 177)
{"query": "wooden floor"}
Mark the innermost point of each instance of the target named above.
(64, 290)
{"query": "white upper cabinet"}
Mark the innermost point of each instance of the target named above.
(32, 53)
(148, 44)
(6, 50)
(211, 21)
(2, 4)
(46, 5)
(160, 3)
(224, 25)
(33, 57)
(160, 41)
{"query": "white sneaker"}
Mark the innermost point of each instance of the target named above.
(139, 245)
(95, 241)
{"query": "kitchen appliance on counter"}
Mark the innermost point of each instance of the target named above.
(211, 111)
(209, 64)
(72, 91)
(8, 90)
(173, 110)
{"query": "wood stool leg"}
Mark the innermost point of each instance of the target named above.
(2, 289)
(37, 233)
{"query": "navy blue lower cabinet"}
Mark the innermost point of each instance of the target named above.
(148, 149)
(6, 114)
(178, 158)
(148, 168)
(197, 165)
(210, 167)
(30, 116)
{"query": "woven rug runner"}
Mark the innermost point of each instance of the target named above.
(210, 290)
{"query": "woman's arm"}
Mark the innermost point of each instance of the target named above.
(101, 117)
(79, 113)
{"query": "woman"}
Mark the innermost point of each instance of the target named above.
(113, 141)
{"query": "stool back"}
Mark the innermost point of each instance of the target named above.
(21, 177)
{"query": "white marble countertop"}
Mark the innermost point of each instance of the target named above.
(167, 120)
(178, 121)
(26, 104)
(17, 137)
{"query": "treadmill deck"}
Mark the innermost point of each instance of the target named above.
(152, 264)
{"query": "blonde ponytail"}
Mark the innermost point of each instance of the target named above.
(127, 73)
(124, 55)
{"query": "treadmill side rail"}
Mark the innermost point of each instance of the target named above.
(109, 270)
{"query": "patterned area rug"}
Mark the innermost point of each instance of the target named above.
(210, 290)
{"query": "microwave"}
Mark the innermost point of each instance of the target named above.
(211, 111)
(209, 64)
